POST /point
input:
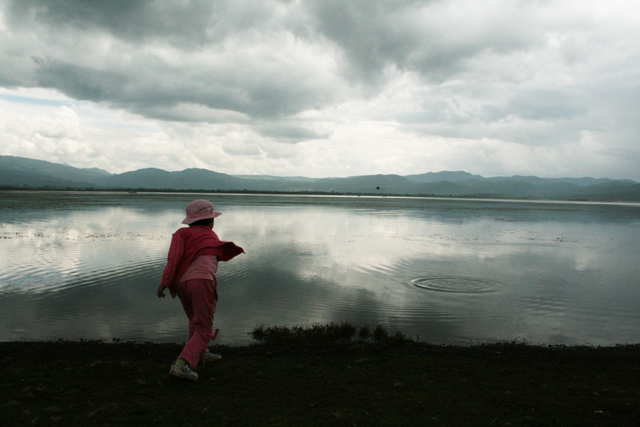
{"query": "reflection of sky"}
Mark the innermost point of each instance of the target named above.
(87, 267)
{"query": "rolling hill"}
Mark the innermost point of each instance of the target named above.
(22, 173)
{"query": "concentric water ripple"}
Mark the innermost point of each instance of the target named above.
(458, 285)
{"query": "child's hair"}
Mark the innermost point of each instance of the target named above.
(204, 222)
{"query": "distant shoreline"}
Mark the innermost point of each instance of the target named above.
(316, 193)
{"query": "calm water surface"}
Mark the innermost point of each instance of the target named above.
(86, 265)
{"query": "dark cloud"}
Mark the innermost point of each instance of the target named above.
(429, 37)
(185, 59)
(157, 89)
(182, 22)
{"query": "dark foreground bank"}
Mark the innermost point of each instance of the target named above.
(387, 383)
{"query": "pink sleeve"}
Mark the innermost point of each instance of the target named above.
(176, 251)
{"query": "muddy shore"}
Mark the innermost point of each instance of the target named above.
(391, 383)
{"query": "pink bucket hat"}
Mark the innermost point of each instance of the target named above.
(200, 209)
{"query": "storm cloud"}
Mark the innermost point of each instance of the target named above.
(324, 87)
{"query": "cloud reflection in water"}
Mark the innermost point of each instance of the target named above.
(558, 274)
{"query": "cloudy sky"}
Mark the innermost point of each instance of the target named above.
(324, 87)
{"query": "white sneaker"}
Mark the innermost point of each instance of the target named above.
(211, 357)
(183, 372)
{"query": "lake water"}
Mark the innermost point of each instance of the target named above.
(87, 265)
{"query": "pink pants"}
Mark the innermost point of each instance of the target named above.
(199, 298)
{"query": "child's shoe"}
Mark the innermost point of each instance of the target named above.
(183, 372)
(211, 357)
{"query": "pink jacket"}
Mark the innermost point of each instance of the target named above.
(186, 245)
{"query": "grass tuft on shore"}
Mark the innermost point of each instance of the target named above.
(316, 334)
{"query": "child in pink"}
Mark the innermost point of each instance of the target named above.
(190, 273)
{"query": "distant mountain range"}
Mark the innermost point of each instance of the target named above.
(23, 173)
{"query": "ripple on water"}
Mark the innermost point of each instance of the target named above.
(452, 284)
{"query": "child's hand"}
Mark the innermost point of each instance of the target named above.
(160, 291)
